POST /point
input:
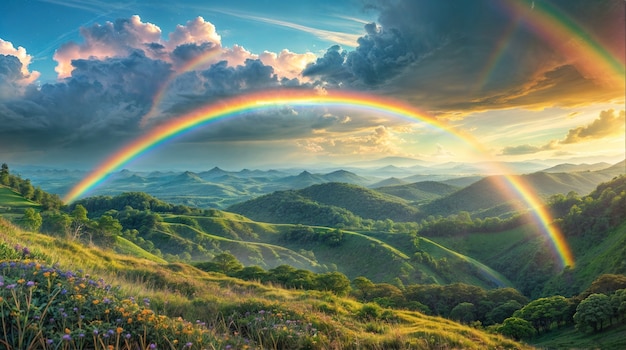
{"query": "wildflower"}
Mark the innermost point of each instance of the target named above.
(152, 346)
(188, 345)
(67, 331)
(49, 341)
(95, 332)
(21, 281)
(95, 302)
(67, 337)
(127, 336)
(146, 301)
(119, 330)
(30, 284)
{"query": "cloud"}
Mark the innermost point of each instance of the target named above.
(286, 63)
(195, 31)
(608, 124)
(455, 58)
(26, 77)
(113, 39)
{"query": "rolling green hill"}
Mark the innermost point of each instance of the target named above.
(419, 191)
(326, 204)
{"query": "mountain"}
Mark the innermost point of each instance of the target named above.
(392, 181)
(302, 180)
(346, 177)
(494, 196)
(419, 191)
(569, 168)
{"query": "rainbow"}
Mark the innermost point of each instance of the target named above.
(587, 53)
(188, 66)
(256, 102)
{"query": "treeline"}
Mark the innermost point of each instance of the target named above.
(27, 190)
(283, 275)
(97, 205)
(596, 213)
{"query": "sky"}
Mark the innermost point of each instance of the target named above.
(511, 81)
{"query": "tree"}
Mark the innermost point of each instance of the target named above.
(543, 312)
(618, 303)
(517, 328)
(463, 312)
(79, 221)
(593, 312)
(227, 263)
(4, 174)
(335, 282)
(31, 220)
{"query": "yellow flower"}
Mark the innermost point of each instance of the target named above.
(46, 274)
(119, 330)
(130, 320)
(67, 331)
(21, 280)
(96, 301)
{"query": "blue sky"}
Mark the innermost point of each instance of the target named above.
(79, 79)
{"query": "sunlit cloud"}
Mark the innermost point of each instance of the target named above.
(608, 124)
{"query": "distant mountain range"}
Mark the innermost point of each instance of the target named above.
(218, 188)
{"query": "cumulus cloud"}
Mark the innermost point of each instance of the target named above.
(609, 123)
(7, 67)
(113, 39)
(286, 63)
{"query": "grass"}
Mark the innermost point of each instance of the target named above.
(163, 302)
(12, 204)
(570, 338)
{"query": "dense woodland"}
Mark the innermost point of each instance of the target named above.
(521, 313)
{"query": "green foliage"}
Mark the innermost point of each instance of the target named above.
(31, 220)
(516, 328)
(547, 313)
(593, 313)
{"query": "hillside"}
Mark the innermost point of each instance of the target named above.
(492, 195)
(309, 205)
(222, 308)
(419, 191)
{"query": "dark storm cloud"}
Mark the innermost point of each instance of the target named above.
(99, 105)
(453, 56)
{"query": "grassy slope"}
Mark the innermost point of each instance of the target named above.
(204, 296)
(12, 204)
(570, 338)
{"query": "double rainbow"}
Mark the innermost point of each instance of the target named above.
(257, 102)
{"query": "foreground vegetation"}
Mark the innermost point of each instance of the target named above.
(155, 290)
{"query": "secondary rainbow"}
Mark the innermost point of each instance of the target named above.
(561, 31)
(188, 66)
(257, 102)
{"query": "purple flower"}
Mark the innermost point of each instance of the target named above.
(189, 344)
(146, 301)
(30, 284)
(95, 332)
(11, 286)
(127, 335)
(49, 341)
(67, 337)
(152, 346)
